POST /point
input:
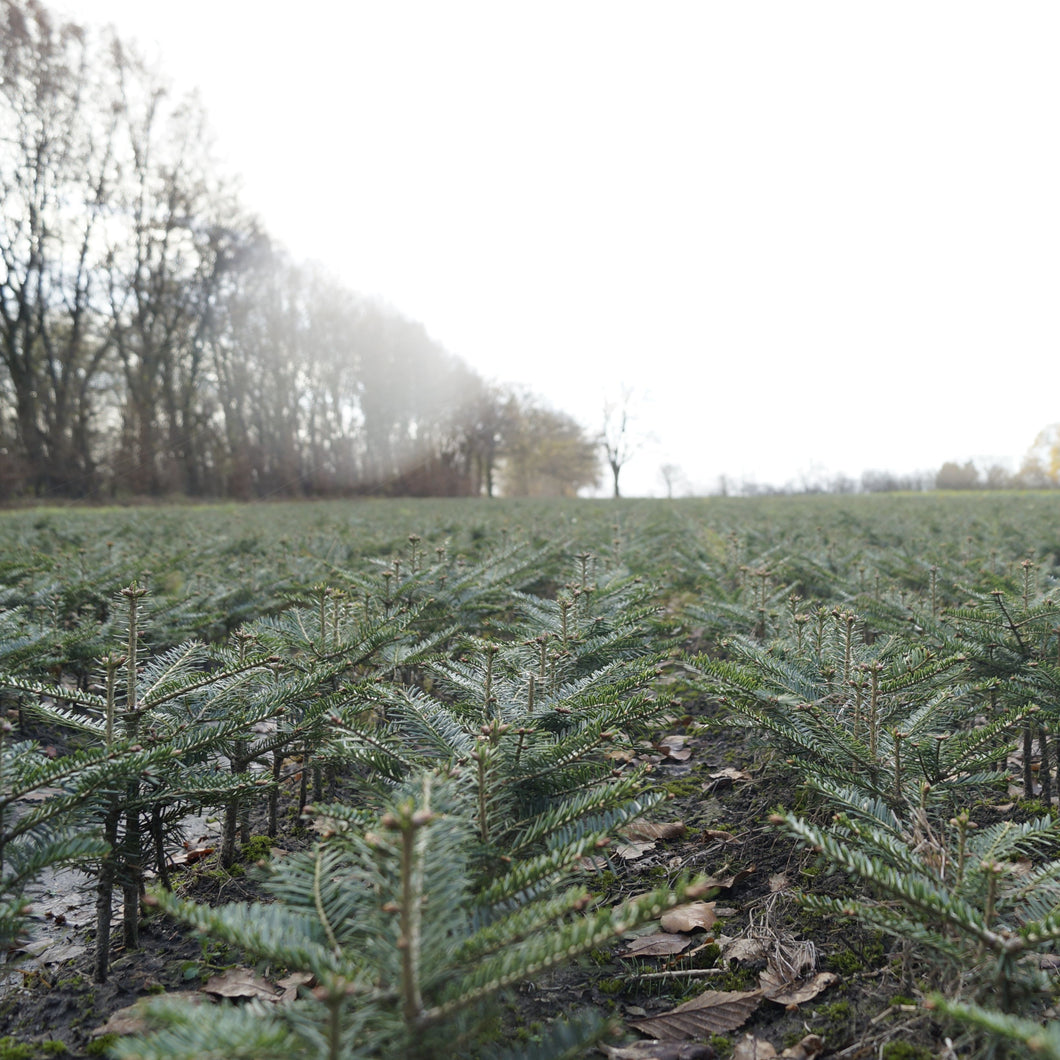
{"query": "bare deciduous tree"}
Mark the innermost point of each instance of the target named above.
(154, 340)
(618, 438)
(181, 231)
(56, 171)
(672, 475)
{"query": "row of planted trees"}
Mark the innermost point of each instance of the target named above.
(470, 708)
(467, 721)
(913, 705)
(154, 339)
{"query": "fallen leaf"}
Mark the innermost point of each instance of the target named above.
(632, 851)
(674, 747)
(743, 948)
(290, 984)
(592, 863)
(718, 835)
(658, 945)
(731, 774)
(689, 917)
(713, 1012)
(653, 1050)
(190, 855)
(724, 883)
(132, 1018)
(751, 1048)
(810, 1046)
(650, 830)
(794, 993)
(242, 982)
(128, 1020)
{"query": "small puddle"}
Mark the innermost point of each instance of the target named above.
(63, 906)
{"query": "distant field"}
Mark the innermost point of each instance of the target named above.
(209, 568)
(298, 542)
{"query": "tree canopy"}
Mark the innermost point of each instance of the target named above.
(154, 339)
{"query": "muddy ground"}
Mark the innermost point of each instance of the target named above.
(723, 790)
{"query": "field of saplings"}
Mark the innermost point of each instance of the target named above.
(642, 779)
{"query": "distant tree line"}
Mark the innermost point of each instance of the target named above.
(1040, 469)
(155, 340)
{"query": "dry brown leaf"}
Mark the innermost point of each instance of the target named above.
(632, 851)
(651, 830)
(290, 984)
(128, 1020)
(242, 982)
(689, 917)
(131, 1019)
(673, 747)
(751, 1048)
(724, 883)
(794, 993)
(731, 774)
(592, 863)
(713, 1012)
(719, 836)
(658, 945)
(189, 855)
(810, 1046)
(653, 1050)
(743, 948)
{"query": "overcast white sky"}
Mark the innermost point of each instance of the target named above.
(810, 236)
